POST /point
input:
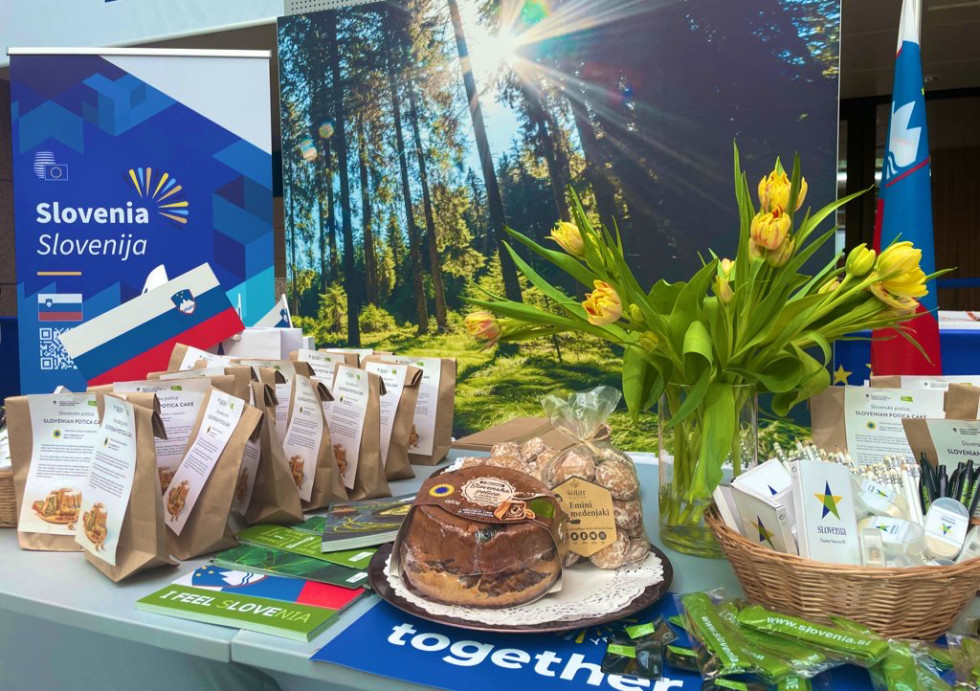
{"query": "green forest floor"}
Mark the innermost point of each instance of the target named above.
(497, 385)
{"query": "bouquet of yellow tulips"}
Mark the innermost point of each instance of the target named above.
(752, 324)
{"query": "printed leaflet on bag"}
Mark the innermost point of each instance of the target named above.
(221, 416)
(105, 495)
(66, 430)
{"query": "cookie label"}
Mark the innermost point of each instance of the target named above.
(488, 491)
(591, 522)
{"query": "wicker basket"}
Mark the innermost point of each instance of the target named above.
(897, 603)
(8, 503)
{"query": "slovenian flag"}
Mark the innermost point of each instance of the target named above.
(59, 307)
(138, 336)
(294, 590)
(278, 317)
(905, 204)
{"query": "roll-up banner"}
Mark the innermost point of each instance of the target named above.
(132, 166)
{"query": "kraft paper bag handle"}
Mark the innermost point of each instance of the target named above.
(892, 381)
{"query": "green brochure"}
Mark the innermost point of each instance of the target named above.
(290, 540)
(274, 617)
(279, 563)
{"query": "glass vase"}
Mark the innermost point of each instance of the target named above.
(699, 447)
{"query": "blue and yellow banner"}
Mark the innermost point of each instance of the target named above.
(126, 162)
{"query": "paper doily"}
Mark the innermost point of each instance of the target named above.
(586, 592)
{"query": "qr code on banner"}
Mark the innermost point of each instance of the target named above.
(52, 352)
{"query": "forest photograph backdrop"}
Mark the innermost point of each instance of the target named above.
(415, 131)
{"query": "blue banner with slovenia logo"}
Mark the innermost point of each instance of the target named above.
(131, 167)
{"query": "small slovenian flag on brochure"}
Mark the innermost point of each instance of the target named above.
(273, 587)
(59, 307)
(138, 336)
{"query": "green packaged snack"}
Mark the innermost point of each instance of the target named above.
(722, 684)
(964, 652)
(794, 683)
(903, 670)
(679, 657)
(726, 652)
(641, 658)
(799, 656)
(678, 621)
(858, 647)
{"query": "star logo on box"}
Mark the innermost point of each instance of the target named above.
(764, 534)
(829, 501)
(946, 528)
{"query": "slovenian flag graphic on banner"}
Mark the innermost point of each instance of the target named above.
(278, 317)
(138, 336)
(905, 204)
(272, 587)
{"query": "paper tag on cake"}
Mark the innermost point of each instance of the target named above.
(180, 400)
(428, 402)
(351, 391)
(105, 495)
(221, 417)
(873, 419)
(393, 377)
(301, 443)
(322, 364)
(193, 355)
(591, 521)
(65, 431)
(246, 476)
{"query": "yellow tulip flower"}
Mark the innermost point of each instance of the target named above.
(860, 261)
(774, 192)
(568, 236)
(782, 254)
(769, 230)
(483, 325)
(603, 305)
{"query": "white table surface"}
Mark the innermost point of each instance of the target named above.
(65, 589)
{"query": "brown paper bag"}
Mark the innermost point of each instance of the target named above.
(962, 402)
(350, 359)
(827, 419)
(207, 528)
(891, 381)
(179, 352)
(275, 498)
(444, 416)
(920, 441)
(369, 477)
(397, 466)
(241, 374)
(143, 536)
(327, 486)
(21, 439)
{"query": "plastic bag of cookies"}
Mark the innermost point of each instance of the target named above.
(594, 461)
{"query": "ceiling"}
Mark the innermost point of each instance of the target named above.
(950, 40)
(950, 45)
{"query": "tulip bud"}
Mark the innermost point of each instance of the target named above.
(829, 287)
(722, 289)
(483, 325)
(569, 238)
(755, 252)
(649, 341)
(725, 268)
(769, 230)
(603, 305)
(860, 261)
(636, 314)
(778, 258)
(774, 191)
